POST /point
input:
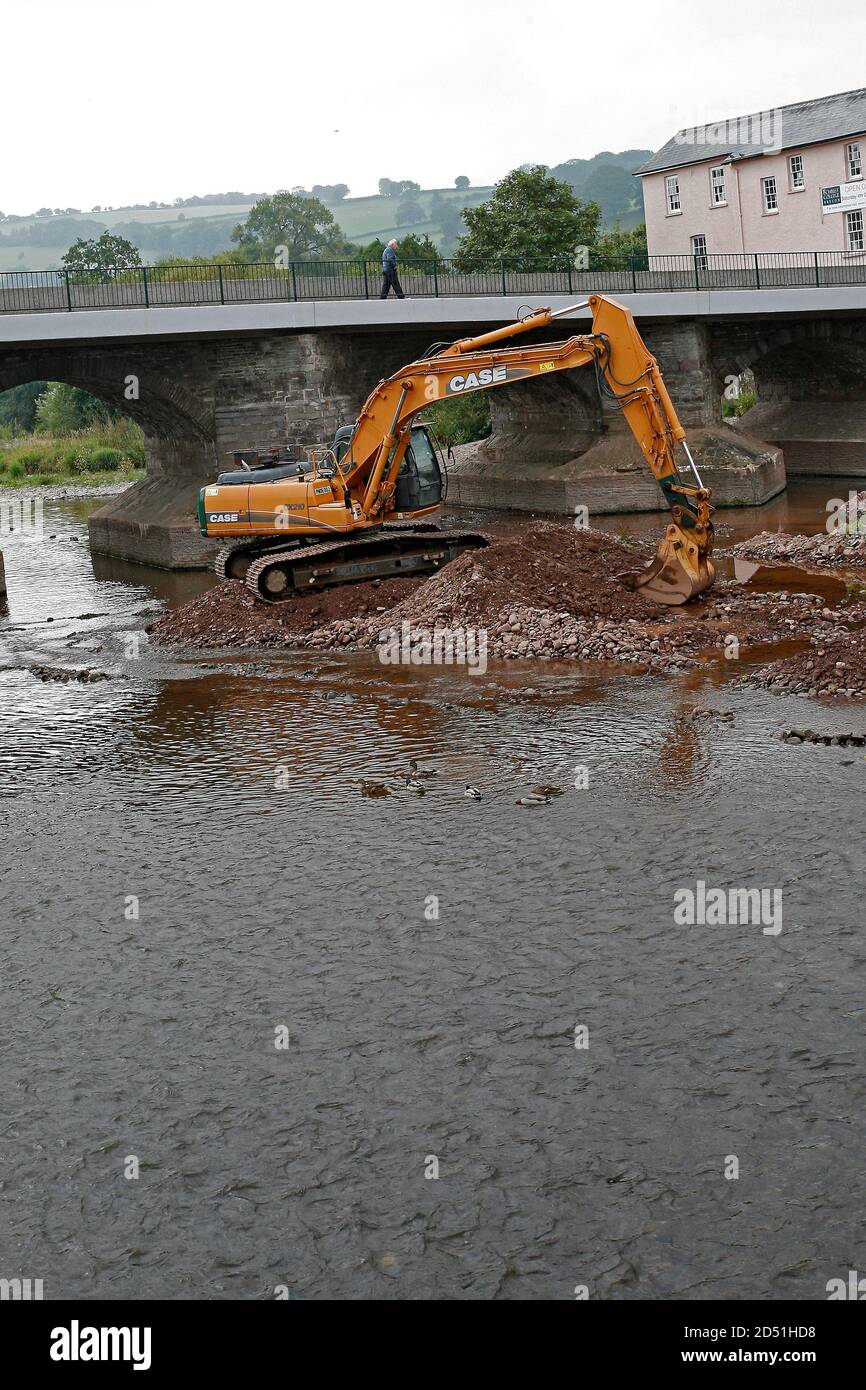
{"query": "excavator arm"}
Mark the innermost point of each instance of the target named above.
(626, 369)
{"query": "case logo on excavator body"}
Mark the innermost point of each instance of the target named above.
(488, 376)
(215, 518)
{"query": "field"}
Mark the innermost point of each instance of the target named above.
(362, 219)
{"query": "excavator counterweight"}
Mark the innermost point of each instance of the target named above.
(385, 469)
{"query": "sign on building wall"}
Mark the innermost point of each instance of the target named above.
(843, 197)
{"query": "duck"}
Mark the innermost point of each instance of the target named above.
(369, 788)
(533, 799)
(416, 771)
(546, 789)
(472, 792)
(413, 785)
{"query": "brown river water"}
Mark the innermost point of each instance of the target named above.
(426, 962)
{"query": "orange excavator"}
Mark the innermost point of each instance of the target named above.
(334, 516)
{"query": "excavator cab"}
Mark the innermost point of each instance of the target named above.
(422, 480)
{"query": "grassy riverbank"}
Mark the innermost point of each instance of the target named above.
(111, 452)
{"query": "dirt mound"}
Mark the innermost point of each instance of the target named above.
(545, 566)
(229, 615)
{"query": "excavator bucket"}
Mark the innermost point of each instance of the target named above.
(681, 569)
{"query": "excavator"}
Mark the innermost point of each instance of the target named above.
(348, 512)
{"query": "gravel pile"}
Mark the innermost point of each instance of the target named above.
(833, 665)
(843, 549)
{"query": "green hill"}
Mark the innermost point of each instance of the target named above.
(203, 226)
(608, 179)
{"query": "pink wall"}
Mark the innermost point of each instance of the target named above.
(742, 225)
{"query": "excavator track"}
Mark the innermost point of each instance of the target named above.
(411, 551)
(234, 560)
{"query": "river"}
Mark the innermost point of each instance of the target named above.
(285, 1006)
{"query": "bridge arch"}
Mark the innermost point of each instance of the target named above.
(822, 359)
(164, 408)
(810, 379)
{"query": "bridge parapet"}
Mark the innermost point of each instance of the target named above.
(40, 291)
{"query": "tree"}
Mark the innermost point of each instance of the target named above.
(372, 251)
(417, 249)
(621, 247)
(63, 409)
(18, 405)
(451, 225)
(102, 258)
(412, 249)
(409, 213)
(531, 219)
(391, 188)
(330, 193)
(461, 182)
(294, 221)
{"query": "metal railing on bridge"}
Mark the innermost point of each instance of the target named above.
(25, 291)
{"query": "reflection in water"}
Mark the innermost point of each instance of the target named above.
(744, 570)
(308, 906)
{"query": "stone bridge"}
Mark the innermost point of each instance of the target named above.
(204, 381)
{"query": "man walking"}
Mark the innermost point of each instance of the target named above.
(389, 271)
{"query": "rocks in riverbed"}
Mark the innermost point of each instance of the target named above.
(699, 712)
(848, 740)
(64, 675)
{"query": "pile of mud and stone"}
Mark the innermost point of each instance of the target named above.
(841, 546)
(551, 592)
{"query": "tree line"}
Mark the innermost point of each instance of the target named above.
(532, 220)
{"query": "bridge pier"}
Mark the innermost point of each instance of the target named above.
(155, 521)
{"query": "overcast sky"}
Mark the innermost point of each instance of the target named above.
(123, 101)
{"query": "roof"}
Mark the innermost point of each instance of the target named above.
(744, 137)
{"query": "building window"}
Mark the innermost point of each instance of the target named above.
(854, 229)
(672, 189)
(854, 162)
(699, 251)
(771, 201)
(796, 172)
(717, 186)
